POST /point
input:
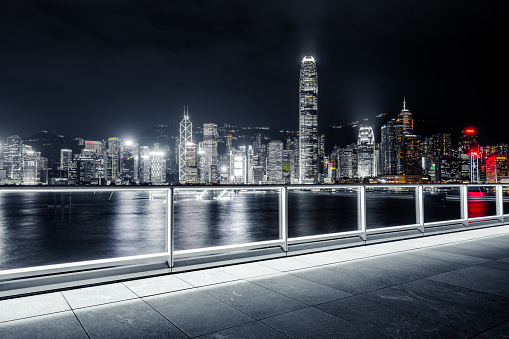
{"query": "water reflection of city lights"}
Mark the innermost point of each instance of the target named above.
(477, 204)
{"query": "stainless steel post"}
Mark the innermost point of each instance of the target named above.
(464, 204)
(361, 211)
(170, 226)
(283, 217)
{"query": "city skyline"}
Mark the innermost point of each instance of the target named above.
(119, 68)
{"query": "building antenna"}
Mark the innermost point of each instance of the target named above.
(404, 104)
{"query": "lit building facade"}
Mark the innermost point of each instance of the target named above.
(32, 165)
(185, 141)
(405, 119)
(13, 158)
(412, 161)
(346, 162)
(496, 168)
(143, 160)
(65, 159)
(468, 140)
(157, 167)
(275, 163)
(209, 169)
(391, 148)
(238, 166)
(366, 153)
(449, 170)
(308, 122)
(435, 146)
(191, 168)
(114, 159)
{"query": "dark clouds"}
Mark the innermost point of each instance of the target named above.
(105, 68)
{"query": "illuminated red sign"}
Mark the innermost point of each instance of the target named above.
(470, 130)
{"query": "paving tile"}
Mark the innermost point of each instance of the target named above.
(411, 264)
(19, 308)
(285, 264)
(485, 246)
(465, 250)
(97, 295)
(249, 270)
(468, 298)
(303, 290)
(427, 265)
(460, 259)
(372, 250)
(436, 309)
(506, 259)
(496, 264)
(197, 313)
(57, 325)
(498, 244)
(318, 258)
(206, 277)
(254, 330)
(157, 285)
(500, 331)
(347, 280)
(478, 278)
(399, 246)
(387, 320)
(254, 300)
(387, 270)
(126, 319)
(313, 323)
(434, 240)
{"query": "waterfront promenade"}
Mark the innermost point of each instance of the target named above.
(443, 286)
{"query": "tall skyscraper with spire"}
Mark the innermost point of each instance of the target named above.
(405, 118)
(308, 122)
(185, 142)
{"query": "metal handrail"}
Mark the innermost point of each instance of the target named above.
(283, 240)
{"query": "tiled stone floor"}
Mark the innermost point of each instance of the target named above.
(444, 286)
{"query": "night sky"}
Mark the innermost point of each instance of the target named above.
(98, 69)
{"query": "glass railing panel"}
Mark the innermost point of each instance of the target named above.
(316, 212)
(441, 203)
(387, 207)
(207, 218)
(505, 199)
(481, 201)
(44, 228)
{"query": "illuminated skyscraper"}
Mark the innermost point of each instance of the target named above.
(308, 122)
(13, 158)
(114, 159)
(32, 164)
(157, 167)
(347, 163)
(405, 118)
(366, 153)
(238, 166)
(391, 148)
(191, 168)
(144, 165)
(496, 168)
(468, 140)
(209, 173)
(275, 166)
(186, 137)
(65, 159)
(412, 162)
